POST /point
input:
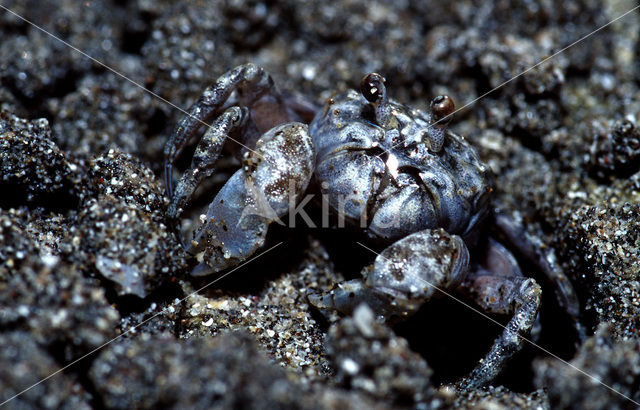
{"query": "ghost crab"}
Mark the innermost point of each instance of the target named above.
(398, 171)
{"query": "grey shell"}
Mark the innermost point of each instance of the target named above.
(356, 161)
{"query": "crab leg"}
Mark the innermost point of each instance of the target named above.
(254, 89)
(345, 297)
(233, 121)
(502, 294)
(530, 248)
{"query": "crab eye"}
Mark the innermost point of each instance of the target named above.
(442, 106)
(372, 87)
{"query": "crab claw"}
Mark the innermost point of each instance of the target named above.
(404, 276)
(273, 178)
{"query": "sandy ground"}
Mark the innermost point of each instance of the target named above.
(86, 254)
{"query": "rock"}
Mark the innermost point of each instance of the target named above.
(608, 363)
(24, 366)
(46, 296)
(121, 229)
(33, 170)
(367, 356)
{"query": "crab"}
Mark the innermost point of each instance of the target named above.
(396, 172)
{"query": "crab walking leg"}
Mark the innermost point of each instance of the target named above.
(232, 121)
(531, 249)
(502, 294)
(270, 183)
(254, 89)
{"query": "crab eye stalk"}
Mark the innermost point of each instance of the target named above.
(373, 90)
(442, 108)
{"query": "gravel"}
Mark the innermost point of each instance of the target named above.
(87, 254)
